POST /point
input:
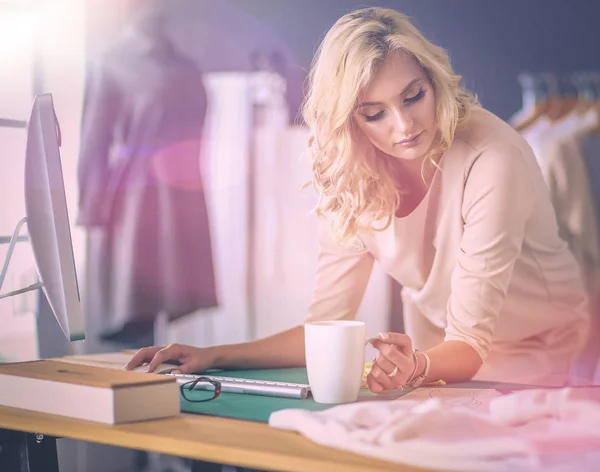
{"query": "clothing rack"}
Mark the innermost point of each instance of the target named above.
(560, 119)
(546, 90)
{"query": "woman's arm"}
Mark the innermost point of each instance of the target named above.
(342, 276)
(498, 200)
(341, 280)
(284, 349)
(452, 361)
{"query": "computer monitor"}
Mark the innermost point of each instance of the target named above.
(47, 220)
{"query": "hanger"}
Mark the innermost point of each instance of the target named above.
(559, 101)
(567, 99)
(585, 91)
(535, 100)
(588, 89)
(595, 80)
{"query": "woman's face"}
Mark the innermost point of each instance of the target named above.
(396, 111)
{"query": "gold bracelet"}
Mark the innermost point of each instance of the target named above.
(421, 378)
(410, 379)
(416, 359)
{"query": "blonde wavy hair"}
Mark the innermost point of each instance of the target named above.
(352, 183)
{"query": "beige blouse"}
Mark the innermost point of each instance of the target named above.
(480, 261)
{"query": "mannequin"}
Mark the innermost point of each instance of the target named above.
(142, 202)
(142, 197)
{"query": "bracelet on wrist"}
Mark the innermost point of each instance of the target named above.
(413, 381)
(414, 372)
(416, 382)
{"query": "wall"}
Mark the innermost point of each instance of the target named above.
(56, 29)
(17, 36)
(490, 41)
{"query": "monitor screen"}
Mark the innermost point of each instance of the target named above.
(48, 218)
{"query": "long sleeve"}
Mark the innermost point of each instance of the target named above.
(341, 279)
(100, 109)
(498, 200)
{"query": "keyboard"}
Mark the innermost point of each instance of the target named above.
(267, 388)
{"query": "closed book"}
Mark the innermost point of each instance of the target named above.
(88, 392)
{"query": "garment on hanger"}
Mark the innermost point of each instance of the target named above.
(588, 367)
(535, 96)
(142, 195)
(589, 91)
(564, 168)
(557, 142)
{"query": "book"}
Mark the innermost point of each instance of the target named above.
(113, 360)
(87, 392)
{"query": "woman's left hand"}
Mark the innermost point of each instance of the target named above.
(395, 364)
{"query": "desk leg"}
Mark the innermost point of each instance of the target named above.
(27, 452)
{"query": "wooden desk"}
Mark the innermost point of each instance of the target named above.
(218, 440)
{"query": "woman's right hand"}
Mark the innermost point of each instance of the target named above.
(192, 359)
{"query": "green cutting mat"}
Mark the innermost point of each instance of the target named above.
(255, 407)
(259, 408)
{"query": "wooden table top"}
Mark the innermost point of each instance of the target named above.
(220, 440)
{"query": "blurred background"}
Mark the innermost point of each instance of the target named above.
(184, 158)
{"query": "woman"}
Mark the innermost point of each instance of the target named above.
(447, 198)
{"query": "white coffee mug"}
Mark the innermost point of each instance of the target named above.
(335, 359)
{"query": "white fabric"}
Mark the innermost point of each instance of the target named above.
(549, 430)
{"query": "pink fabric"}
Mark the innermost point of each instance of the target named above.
(546, 429)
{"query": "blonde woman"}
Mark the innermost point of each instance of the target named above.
(415, 174)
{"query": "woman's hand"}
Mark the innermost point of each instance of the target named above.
(395, 364)
(192, 359)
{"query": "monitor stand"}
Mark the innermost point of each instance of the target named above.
(11, 247)
(51, 341)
